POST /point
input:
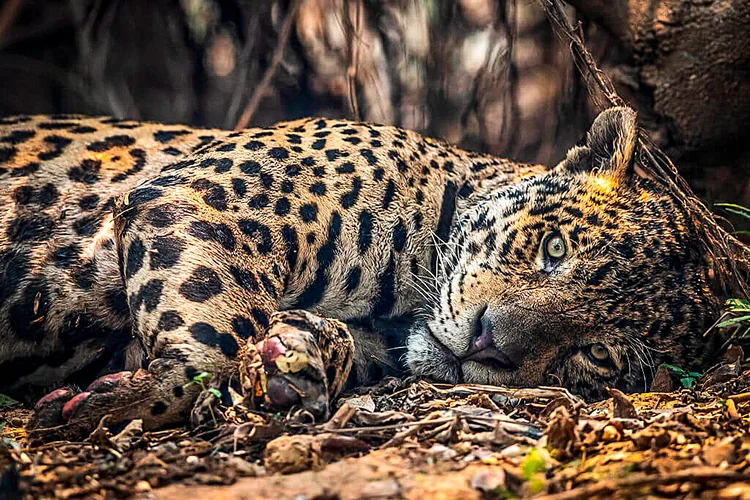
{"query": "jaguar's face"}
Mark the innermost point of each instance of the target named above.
(588, 277)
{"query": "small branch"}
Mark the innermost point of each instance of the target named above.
(278, 54)
(377, 428)
(582, 57)
(694, 475)
(355, 36)
(8, 16)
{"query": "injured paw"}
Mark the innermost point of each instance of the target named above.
(287, 368)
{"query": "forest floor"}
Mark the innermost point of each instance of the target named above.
(412, 439)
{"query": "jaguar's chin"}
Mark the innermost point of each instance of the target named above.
(482, 373)
(427, 357)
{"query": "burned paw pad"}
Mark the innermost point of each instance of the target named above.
(276, 355)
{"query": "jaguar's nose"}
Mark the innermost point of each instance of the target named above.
(482, 347)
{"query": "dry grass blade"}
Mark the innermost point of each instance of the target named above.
(8, 16)
(694, 475)
(278, 54)
(534, 393)
(354, 33)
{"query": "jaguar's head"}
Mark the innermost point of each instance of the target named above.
(588, 276)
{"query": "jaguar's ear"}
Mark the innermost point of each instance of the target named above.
(609, 147)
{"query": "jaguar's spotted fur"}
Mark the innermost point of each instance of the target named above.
(164, 249)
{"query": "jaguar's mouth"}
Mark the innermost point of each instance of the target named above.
(429, 357)
(493, 358)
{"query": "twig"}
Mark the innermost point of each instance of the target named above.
(515, 393)
(604, 487)
(390, 426)
(740, 398)
(581, 56)
(278, 54)
(8, 15)
(351, 71)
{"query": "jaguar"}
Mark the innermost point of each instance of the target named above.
(291, 260)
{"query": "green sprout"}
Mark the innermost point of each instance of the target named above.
(737, 210)
(201, 380)
(7, 401)
(687, 379)
(736, 313)
(532, 467)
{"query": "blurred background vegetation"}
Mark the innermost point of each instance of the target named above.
(489, 75)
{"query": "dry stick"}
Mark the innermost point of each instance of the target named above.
(581, 56)
(696, 474)
(389, 427)
(351, 72)
(740, 398)
(278, 53)
(8, 15)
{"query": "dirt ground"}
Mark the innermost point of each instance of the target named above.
(412, 439)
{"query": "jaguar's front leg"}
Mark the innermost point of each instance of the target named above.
(304, 360)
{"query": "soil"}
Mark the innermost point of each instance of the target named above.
(413, 439)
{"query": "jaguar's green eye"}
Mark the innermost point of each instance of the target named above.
(599, 352)
(555, 247)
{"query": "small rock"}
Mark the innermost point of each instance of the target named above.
(441, 452)
(142, 486)
(489, 480)
(610, 433)
(662, 380)
(287, 454)
(513, 451)
(733, 354)
(243, 467)
(387, 488)
(168, 448)
(621, 405)
(130, 435)
(724, 451)
(192, 460)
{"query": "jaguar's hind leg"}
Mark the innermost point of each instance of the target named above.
(197, 289)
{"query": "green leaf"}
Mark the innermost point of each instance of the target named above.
(503, 493)
(215, 392)
(536, 485)
(735, 209)
(533, 463)
(734, 321)
(675, 369)
(687, 382)
(202, 376)
(6, 401)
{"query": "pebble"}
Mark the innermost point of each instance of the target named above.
(142, 486)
